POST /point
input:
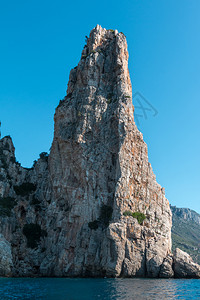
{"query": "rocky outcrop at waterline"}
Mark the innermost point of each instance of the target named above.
(184, 267)
(93, 206)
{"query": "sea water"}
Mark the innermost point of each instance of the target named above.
(91, 289)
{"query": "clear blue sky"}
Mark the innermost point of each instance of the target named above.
(40, 41)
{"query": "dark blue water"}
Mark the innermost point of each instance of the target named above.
(91, 289)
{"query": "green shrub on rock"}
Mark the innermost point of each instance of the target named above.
(44, 156)
(33, 234)
(6, 206)
(104, 218)
(128, 213)
(24, 189)
(93, 225)
(137, 215)
(105, 214)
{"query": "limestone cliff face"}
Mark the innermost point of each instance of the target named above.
(99, 158)
(82, 201)
(23, 200)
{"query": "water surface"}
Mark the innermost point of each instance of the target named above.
(91, 289)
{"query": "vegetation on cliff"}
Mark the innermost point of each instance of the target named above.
(33, 233)
(137, 215)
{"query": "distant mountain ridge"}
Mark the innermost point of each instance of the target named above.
(186, 214)
(186, 231)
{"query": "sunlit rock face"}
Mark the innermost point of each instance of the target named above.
(94, 206)
(98, 157)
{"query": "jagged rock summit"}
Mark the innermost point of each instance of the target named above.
(93, 207)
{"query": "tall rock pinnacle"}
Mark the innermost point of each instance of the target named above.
(93, 207)
(99, 161)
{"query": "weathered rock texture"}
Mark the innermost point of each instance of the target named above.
(70, 215)
(184, 266)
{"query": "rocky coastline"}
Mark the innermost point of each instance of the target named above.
(92, 207)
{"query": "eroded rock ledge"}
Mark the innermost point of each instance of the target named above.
(93, 207)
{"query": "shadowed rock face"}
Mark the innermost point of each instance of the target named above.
(97, 176)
